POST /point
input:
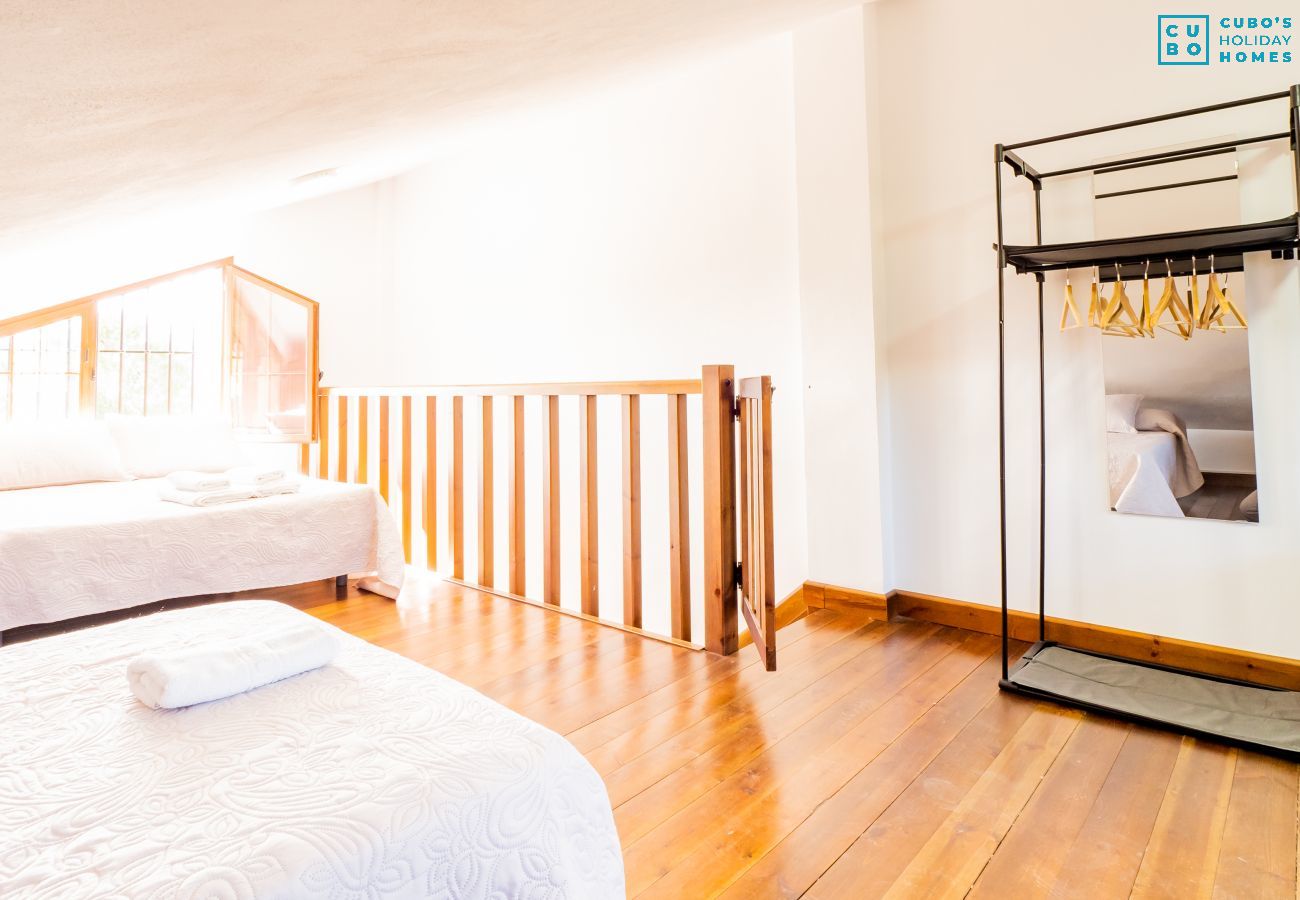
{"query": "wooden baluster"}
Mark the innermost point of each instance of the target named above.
(341, 451)
(720, 614)
(363, 440)
(431, 482)
(551, 502)
(407, 499)
(383, 447)
(518, 570)
(457, 498)
(679, 527)
(755, 573)
(323, 454)
(485, 533)
(747, 485)
(588, 525)
(632, 510)
(764, 580)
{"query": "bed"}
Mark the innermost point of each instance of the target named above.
(77, 549)
(1152, 466)
(372, 777)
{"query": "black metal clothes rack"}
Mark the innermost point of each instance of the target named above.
(1227, 244)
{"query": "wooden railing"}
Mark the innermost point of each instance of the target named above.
(415, 430)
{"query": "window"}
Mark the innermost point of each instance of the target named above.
(273, 358)
(213, 339)
(159, 348)
(40, 371)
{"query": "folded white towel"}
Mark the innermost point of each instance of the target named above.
(272, 488)
(206, 498)
(254, 474)
(219, 669)
(198, 481)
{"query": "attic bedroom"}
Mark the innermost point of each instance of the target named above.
(718, 449)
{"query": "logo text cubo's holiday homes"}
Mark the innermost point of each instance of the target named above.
(1199, 40)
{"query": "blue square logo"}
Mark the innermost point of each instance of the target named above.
(1183, 40)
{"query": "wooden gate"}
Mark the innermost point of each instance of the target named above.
(754, 457)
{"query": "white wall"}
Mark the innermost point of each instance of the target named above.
(1015, 74)
(841, 414)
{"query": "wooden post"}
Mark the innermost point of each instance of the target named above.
(363, 439)
(588, 522)
(518, 559)
(431, 482)
(551, 501)
(720, 614)
(679, 520)
(408, 501)
(486, 535)
(632, 510)
(383, 447)
(323, 451)
(456, 496)
(342, 448)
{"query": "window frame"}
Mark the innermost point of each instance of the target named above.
(86, 308)
(232, 272)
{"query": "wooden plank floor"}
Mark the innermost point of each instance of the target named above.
(879, 760)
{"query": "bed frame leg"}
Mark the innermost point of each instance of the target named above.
(341, 585)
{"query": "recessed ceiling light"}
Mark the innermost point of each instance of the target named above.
(310, 177)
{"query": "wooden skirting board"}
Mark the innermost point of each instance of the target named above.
(830, 596)
(793, 608)
(1275, 671)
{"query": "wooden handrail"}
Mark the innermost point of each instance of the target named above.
(408, 436)
(539, 389)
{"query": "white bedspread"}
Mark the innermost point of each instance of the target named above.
(372, 777)
(86, 548)
(1141, 467)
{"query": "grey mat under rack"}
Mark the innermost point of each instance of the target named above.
(1255, 715)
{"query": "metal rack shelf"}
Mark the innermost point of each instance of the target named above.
(1231, 241)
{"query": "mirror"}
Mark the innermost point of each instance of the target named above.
(1179, 418)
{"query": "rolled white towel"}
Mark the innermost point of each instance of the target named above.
(220, 669)
(255, 475)
(282, 486)
(198, 481)
(206, 498)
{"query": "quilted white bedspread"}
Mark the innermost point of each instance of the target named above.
(1141, 467)
(86, 548)
(372, 777)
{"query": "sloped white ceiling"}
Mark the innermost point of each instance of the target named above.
(115, 108)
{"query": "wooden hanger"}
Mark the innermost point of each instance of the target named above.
(1118, 318)
(1232, 307)
(1171, 302)
(1071, 309)
(1094, 301)
(1146, 302)
(1218, 305)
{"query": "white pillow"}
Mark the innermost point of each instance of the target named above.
(1121, 412)
(154, 446)
(65, 452)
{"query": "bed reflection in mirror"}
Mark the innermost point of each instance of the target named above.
(1179, 419)
(1179, 433)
